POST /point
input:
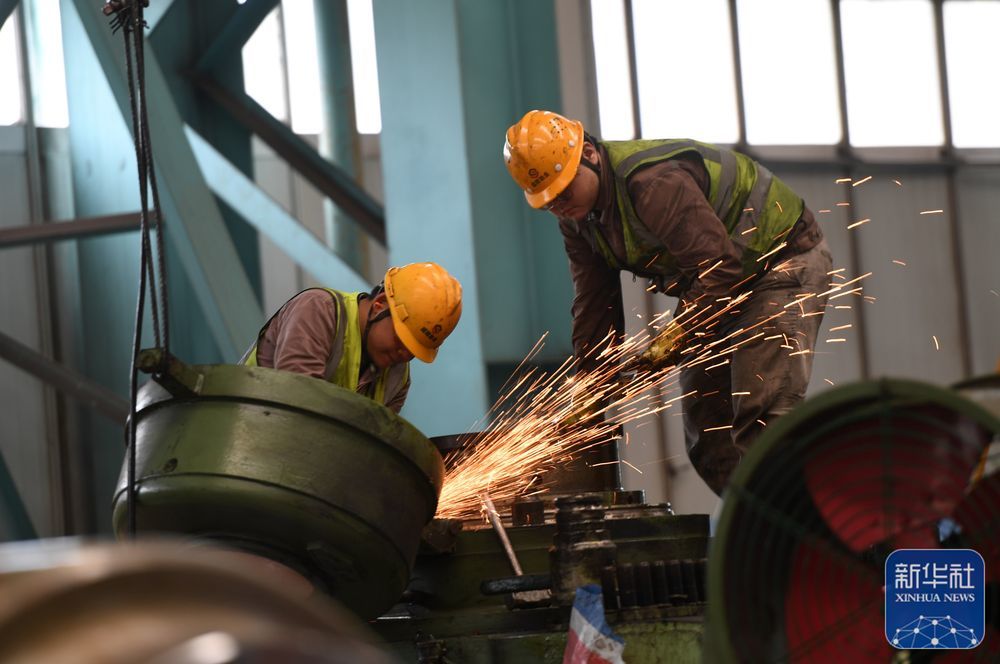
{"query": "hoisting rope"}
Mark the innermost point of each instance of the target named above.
(127, 17)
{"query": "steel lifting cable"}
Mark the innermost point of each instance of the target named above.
(127, 16)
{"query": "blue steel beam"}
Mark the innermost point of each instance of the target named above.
(519, 252)
(155, 12)
(443, 118)
(301, 156)
(331, 180)
(260, 211)
(425, 169)
(193, 223)
(229, 43)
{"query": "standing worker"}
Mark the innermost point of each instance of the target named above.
(704, 224)
(364, 341)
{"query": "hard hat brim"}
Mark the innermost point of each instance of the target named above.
(420, 351)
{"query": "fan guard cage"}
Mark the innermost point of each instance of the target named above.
(823, 497)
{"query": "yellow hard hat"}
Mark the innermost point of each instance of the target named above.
(425, 303)
(542, 153)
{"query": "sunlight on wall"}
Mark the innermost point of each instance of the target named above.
(10, 76)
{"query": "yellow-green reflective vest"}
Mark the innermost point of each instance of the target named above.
(757, 208)
(343, 367)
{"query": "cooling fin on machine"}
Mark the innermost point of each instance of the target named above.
(796, 571)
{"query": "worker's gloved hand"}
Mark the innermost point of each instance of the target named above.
(664, 350)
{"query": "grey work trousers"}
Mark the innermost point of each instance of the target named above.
(764, 378)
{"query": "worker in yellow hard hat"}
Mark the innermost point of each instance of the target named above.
(364, 341)
(703, 224)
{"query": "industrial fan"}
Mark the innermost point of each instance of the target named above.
(796, 571)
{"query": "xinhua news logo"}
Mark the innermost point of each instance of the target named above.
(935, 598)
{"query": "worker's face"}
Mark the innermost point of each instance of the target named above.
(384, 347)
(580, 195)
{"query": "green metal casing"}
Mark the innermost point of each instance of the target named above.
(291, 467)
(456, 618)
(452, 580)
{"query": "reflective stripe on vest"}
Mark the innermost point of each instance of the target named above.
(756, 208)
(343, 366)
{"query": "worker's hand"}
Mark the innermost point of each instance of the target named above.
(664, 350)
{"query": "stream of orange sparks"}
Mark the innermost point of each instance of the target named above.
(525, 435)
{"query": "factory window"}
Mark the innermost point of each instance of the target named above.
(10, 76)
(614, 92)
(367, 107)
(685, 71)
(789, 74)
(890, 65)
(684, 67)
(303, 66)
(281, 66)
(970, 30)
(48, 73)
(264, 67)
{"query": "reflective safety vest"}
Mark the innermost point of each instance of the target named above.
(756, 208)
(343, 366)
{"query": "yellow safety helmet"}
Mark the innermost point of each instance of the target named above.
(542, 153)
(425, 303)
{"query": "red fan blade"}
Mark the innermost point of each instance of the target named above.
(834, 609)
(894, 476)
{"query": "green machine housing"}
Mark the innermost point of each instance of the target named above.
(295, 469)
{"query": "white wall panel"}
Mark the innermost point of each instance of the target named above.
(916, 302)
(978, 194)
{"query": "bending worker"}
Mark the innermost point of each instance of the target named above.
(704, 224)
(364, 341)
